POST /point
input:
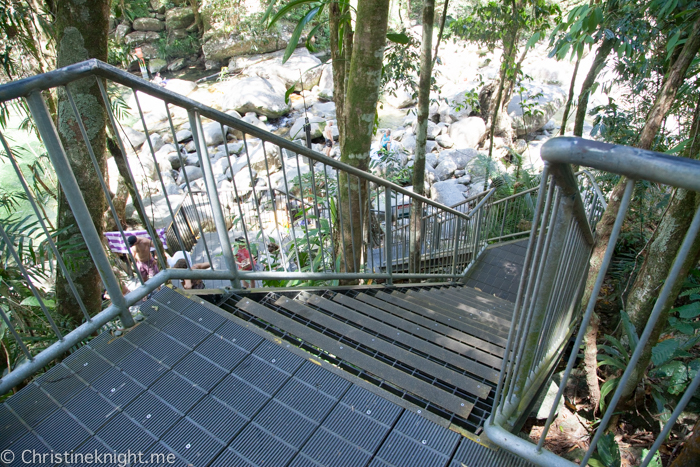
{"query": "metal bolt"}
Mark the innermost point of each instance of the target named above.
(425, 441)
(369, 412)
(419, 411)
(341, 347)
(274, 361)
(85, 364)
(200, 319)
(188, 445)
(148, 416)
(462, 404)
(113, 389)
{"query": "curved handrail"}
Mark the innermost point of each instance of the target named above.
(93, 66)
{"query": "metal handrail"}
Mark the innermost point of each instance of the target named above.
(546, 305)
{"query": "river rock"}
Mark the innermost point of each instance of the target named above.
(120, 33)
(183, 135)
(223, 45)
(448, 192)
(181, 86)
(453, 160)
(254, 94)
(325, 83)
(467, 133)
(444, 141)
(156, 65)
(258, 158)
(297, 130)
(171, 188)
(177, 64)
(547, 99)
(400, 98)
(179, 18)
(134, 137)
(300, 64)
(148, 24)
(193, 173)
(233, 148)
(212, 133)
(431, 160)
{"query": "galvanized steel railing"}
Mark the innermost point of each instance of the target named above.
(290, 215)
(547, 311)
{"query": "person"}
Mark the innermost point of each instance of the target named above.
(179, 255)
(145, 262)
(191, 283)
(328, 134)
(244, 260)
(386, 140)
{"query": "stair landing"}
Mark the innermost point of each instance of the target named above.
(211, 389)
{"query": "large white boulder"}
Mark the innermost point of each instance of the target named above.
(223, 45)
(317, 124)
(448, 192)
(301, 64)
(254, 94)
(538, 104)
(325, 84)
(451, 160)
(181, 86)
(467, 133)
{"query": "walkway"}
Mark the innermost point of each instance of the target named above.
(499, 269)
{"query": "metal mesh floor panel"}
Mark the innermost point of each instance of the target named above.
(30, 442)
(91, 409)
(237, 399)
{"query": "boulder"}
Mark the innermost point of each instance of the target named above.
(537, 106)
(177, 64)
(212, 133)
(134, 137)
(157, 142)
(323, 109)
(148, 24)
(148, 50)
(431, 160)
(183, 135)
(233, 148)
(174, 159)
(226, 45)
(181, 86)
(325, 83)
(448, 192)
(467, 133)
(171, 188)
(453, 160)
(300, 64)
(120, 32)
(156, 65)
(433, 129)
(193, 173)
(408, 142)
(254, 94)
(134, 38)
(179, 18)
(252, 118)
(212, 65)
(444, 141)
(430, 146)
(258, 158)
(297, 130)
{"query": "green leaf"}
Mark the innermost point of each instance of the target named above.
(672, 42)
(533, 40)
(311, 34)
(609, 451)
(655, 459)
(629, 330)
(663, 351)
(399, 38)
(33, 301)
(682, 326)
(605, 389)
(611, 362)
(294, 39)
(689, 311)
(289, 92)
(287, 8)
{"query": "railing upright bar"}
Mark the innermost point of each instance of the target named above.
(256, 203)
(120, 143)
(289, 209)
(40, 218)
(339, 209)
(387, 236)
(624, 206)
(534, 297)
(303, 213)
(189, 187)
(17, 337)
(456, 247)
(53, 145)
(495, 410)
(352, 227)
(648, 329)
(312, 169)
(362, 221)
(218, 214)
(330, 217)
(273, 199)
(163, 263)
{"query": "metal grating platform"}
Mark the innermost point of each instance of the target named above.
(209, 389)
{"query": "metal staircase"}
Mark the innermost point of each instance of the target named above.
(383, 374)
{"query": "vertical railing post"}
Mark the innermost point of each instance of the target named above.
(387, 236)
(71, 190)
(454, 256)
(218, 214)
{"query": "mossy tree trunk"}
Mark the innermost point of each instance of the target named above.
(360, 109)
(601, 56)
(81, 28)
(426, 62)
(672, 82)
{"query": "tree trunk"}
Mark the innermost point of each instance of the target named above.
(197, 16)
(691, 450)
(338, 62)
(590, 361)
(81, 33)
(657, 264)
(570, 100)
(598, 63)
(672, 82)
(421, 135)
(360, 110)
